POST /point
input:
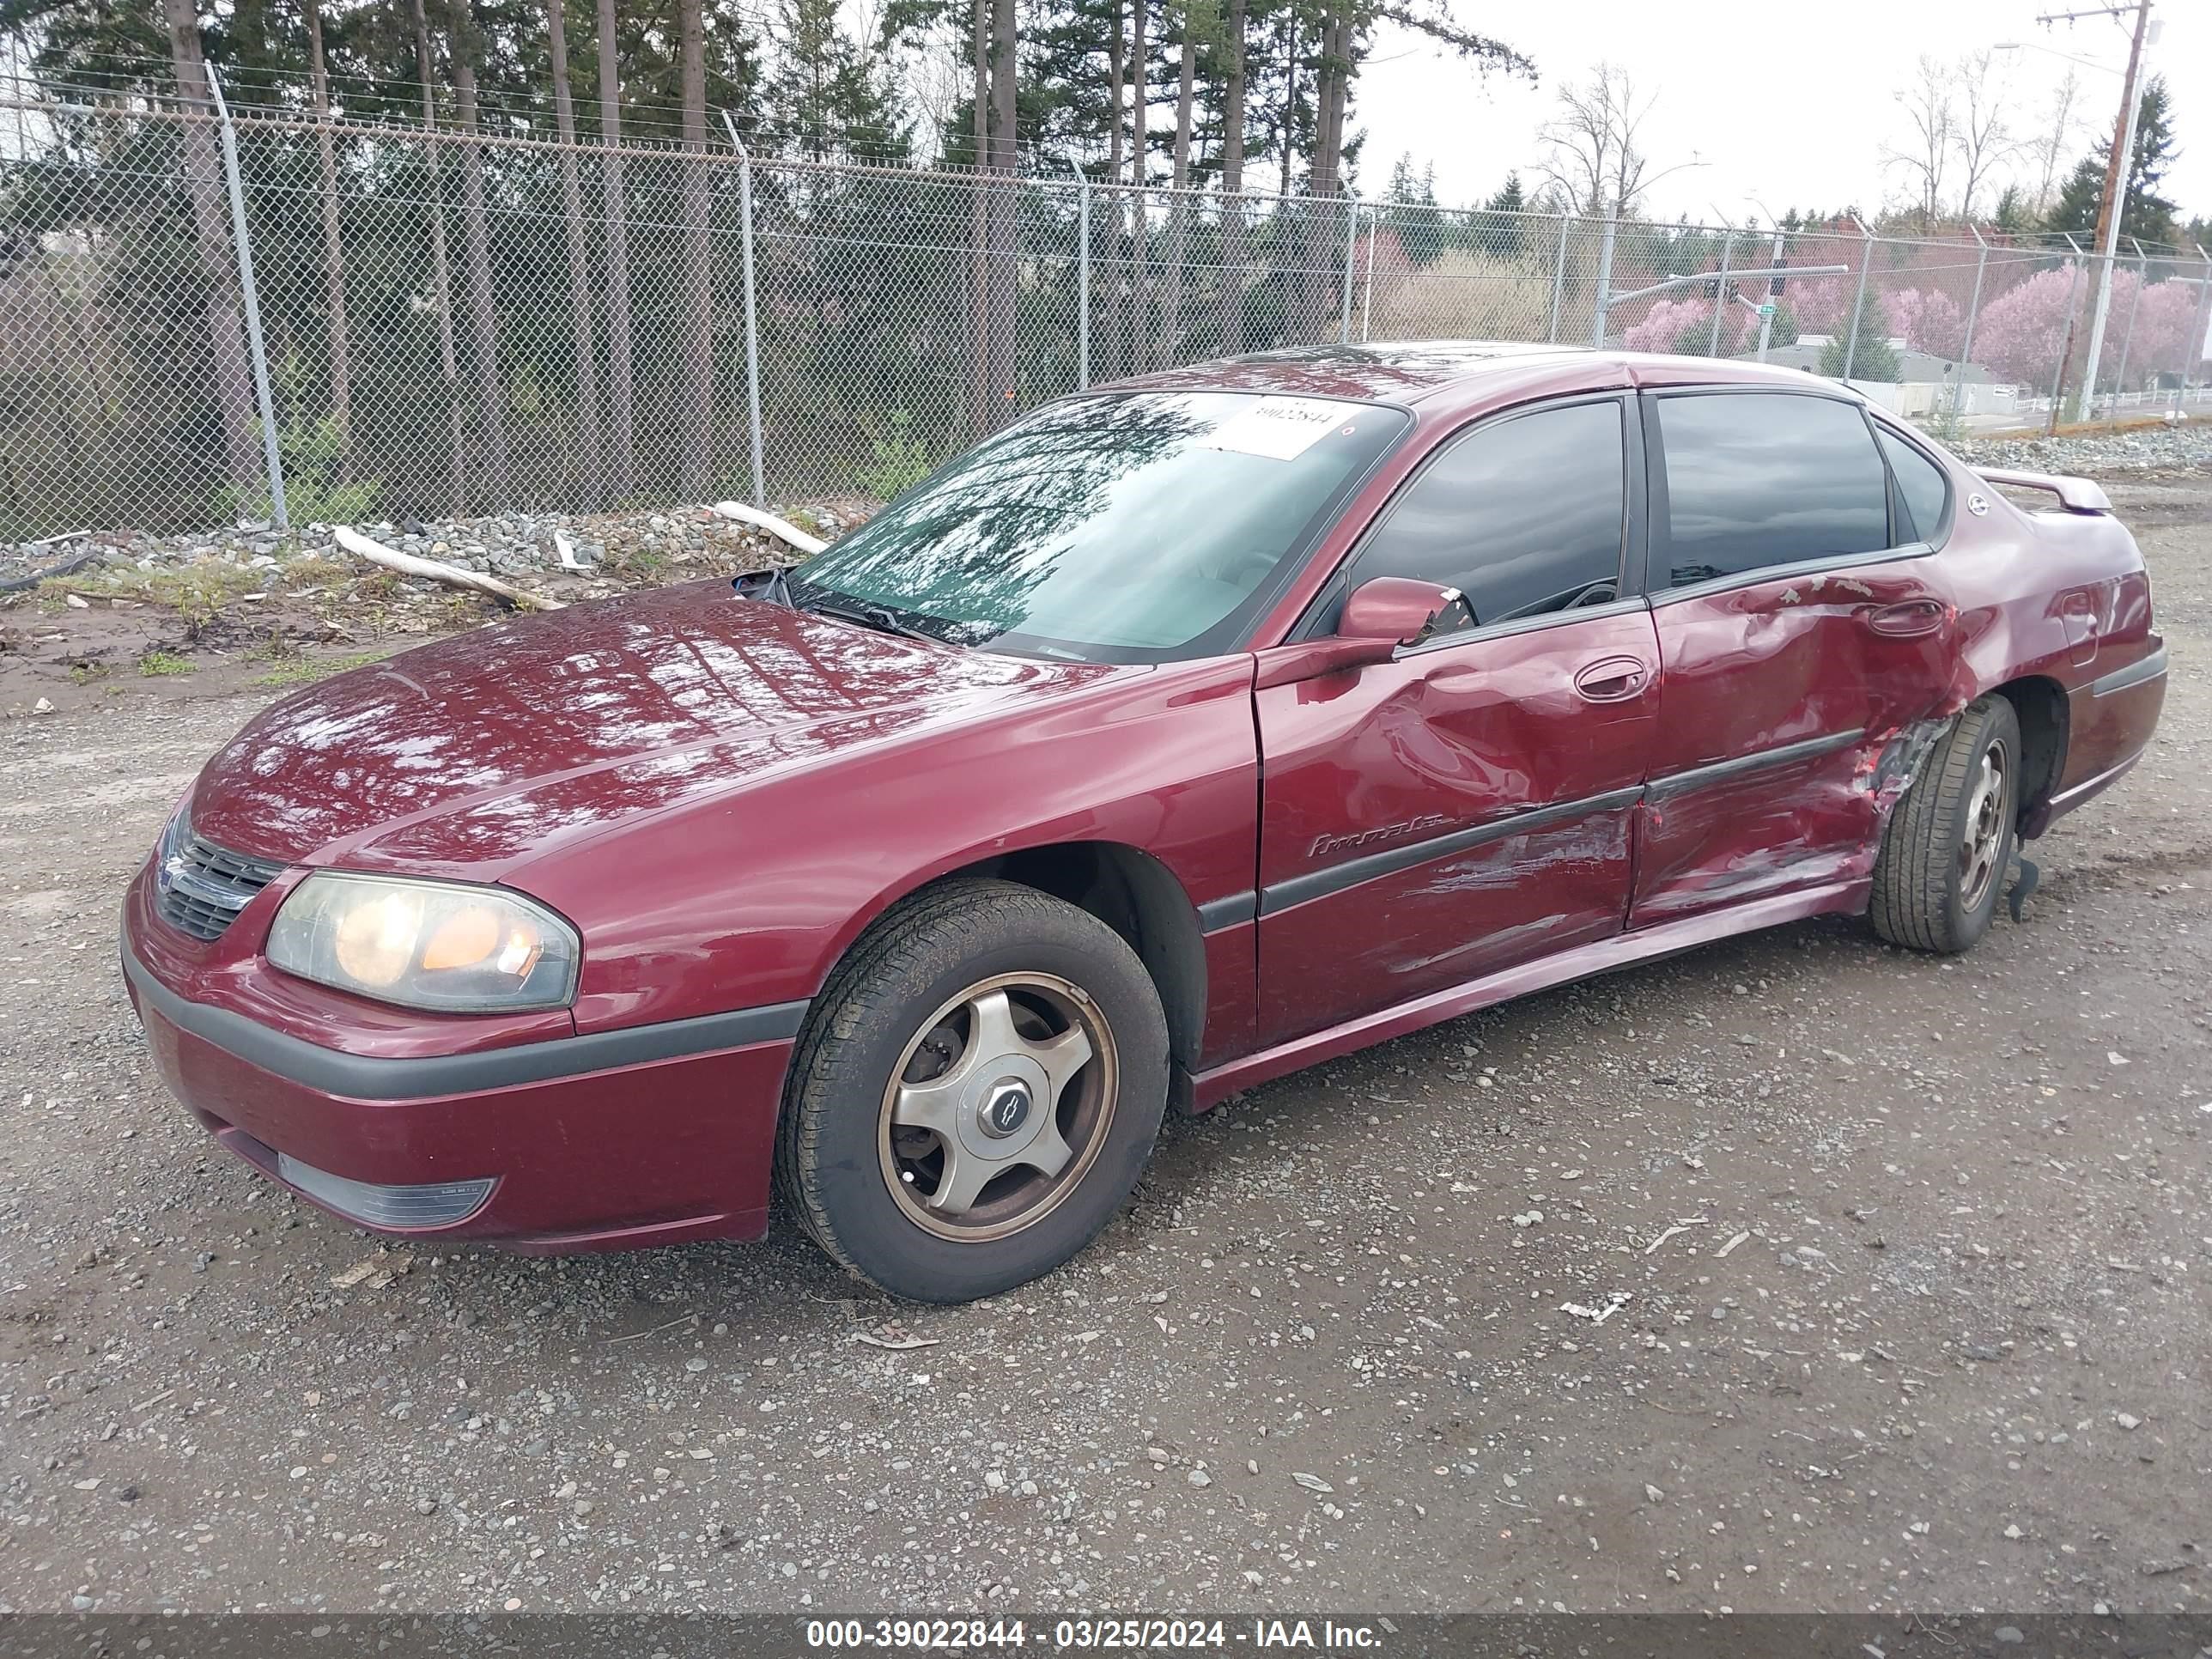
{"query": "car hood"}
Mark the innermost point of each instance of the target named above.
(475, 754)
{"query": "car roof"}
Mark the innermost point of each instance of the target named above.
(1457, 371)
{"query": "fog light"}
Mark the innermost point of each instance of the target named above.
(438, 1204)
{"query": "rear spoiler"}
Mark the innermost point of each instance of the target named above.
(2074, 494)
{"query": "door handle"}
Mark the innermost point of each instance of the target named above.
(1908, 618)
(1612, 679)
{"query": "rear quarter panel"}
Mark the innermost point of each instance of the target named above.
(2062, 597)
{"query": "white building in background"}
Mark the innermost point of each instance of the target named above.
(1925, 385)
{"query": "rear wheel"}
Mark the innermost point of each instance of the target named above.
(974, 1094)
(1949, 842)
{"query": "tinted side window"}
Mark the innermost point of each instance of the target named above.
(1921, 482)
(1523, 517)
(1755, 479)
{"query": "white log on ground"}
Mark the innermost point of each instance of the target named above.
(782, 529)
(407, 564)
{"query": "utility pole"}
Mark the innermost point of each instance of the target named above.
(2111, 209)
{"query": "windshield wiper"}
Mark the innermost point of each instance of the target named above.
(867, 615)
(773, 586)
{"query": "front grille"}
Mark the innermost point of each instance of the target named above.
(202, 887)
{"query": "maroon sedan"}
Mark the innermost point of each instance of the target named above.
(1188, 732)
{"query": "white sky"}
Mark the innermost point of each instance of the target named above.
(1789, 102)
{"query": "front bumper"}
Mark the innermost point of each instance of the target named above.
(617, 1140)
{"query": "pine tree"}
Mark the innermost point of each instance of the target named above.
(1875, 358)
(2144, 214)
(1503, 232)
(1412, 216)
(828, 92)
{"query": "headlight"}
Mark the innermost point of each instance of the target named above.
(426, 944)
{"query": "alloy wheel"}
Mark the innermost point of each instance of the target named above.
(999, 1106)
(1985, 836)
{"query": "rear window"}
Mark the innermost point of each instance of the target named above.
(1927, 493)
(1759, 479)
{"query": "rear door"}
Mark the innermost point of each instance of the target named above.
(1802, 631)
(1467, 805)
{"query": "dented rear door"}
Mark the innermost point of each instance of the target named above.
(1805, 637)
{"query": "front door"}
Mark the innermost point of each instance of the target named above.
(1469, 805)
(1804, 642)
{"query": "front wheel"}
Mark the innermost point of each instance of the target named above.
(974, 1094)
(1949, 842)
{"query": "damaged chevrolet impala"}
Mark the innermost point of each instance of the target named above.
(1187, 732)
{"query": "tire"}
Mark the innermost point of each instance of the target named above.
(1948, 845)
(942, 1053)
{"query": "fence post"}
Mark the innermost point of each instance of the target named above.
(2192, 351)
(1721, 293)
(1558, 281)
(1603, 300)
(2143, 281)
(1973, 311)
(1367, 304)
(270, 457)
(1082, 277)
(1351, 257)
(2073, 286)
(1858, 299)
(752, 326)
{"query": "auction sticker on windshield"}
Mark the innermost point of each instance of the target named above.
(1278, 428)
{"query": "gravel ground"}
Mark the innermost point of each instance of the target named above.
(2135, 450)
(1795, 1273)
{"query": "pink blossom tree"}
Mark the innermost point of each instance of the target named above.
(1822, 305)
(2021, 333)
(2152, 333)
(1927, 319)
(1684, 327)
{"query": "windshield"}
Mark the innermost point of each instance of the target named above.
(1134, 527)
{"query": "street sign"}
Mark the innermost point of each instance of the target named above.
(1767, 311)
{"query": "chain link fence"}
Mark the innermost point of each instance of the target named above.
(207, 317)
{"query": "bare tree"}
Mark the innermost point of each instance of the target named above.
(580, 263)
(334, 284)
(1594, 162)
(1140, 327)
(1232, 181)
(979, 215)
(698, 261)
(483, 308)
(1197, 19)
(620, 396)
(442, 280)
(1004, 164)
(1984, 136)
(1922, 154)
(1117, 54)
(2050, 150)
(1344, 25)
(929, 66)
(234, 376)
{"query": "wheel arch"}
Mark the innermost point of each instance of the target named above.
(2041, 706)
(1126, 888)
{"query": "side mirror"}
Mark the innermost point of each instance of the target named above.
(1397, 609)
(1381, 615)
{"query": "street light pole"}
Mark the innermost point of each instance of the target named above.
(2110, 211)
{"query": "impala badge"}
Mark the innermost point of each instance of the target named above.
(1398, 831)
